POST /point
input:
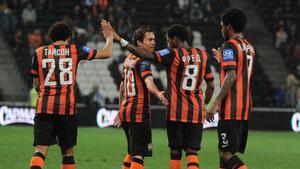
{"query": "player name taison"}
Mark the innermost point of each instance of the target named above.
(57, 52)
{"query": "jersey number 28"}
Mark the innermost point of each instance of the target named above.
(63, 71)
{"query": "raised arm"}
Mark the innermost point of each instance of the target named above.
(106, 51)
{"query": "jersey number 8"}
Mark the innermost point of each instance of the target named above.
(189, 81)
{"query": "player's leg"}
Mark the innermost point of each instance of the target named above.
(174, 131)
(137, 162)
(191, 143)
(38, 159)
(231, 140)
(128, 158)
(68, 161)
(66, 128)
(43, 138)
(140, 138)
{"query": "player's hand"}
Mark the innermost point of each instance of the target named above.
(117, 37)
(117, 121)
(162, 98)
(217, 54)
(107, 32)
(210, 113)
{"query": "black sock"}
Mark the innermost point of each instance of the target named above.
(234, 163)
(68, 160)
(137, 160)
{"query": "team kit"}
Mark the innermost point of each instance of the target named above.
(54, 68)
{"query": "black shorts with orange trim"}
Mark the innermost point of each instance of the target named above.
(139, 138)
(232, 135)
(183, 135)
(50, 129)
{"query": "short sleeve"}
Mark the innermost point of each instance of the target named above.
(164, 56)
(229, 57)
(34, 66)
(86, 53)
(145, 69)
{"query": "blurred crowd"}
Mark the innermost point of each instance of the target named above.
(24, 23)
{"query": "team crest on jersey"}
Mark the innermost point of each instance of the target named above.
(228, 54)
(164, 52)
(86, 49)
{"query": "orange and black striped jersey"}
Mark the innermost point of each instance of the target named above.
(186, 70)
(135, 106)
(56, 66)
(238, 55)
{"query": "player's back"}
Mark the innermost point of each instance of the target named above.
(56, 67)
(237, 54)
(186, 69)
(135, 106)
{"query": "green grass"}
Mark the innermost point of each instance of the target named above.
(104, 149)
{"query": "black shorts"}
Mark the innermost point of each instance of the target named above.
(50, 129)
(232, 135)
(184, 135)
(139, 138)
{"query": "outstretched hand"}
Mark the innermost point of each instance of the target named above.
(117, 37)
(162, 98)
(107, 32)
(209, 114)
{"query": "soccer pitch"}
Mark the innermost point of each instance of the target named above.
(105, 148)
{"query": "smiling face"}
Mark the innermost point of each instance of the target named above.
(148, 42)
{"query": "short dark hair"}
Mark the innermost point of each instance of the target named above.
(236, 18)
(139, 33)
(178, 31)
(59, 31)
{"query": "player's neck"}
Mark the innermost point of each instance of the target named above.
(60, 42)
(183, 45)
(235, 35)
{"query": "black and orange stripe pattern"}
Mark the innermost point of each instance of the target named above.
(238, 102)
(135, 106)
(56, 68)
(186, 69)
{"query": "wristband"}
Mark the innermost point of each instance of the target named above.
(123, 42)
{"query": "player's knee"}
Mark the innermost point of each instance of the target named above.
(176, 153)
(225, 155)
(191, 151)
(67, 152)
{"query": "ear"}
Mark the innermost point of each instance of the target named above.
(69, 39)
(139, 43)
(229, 27)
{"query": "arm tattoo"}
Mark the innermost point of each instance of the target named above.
(143, 54)
(229, 79)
